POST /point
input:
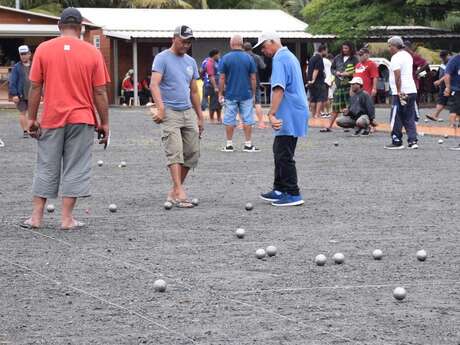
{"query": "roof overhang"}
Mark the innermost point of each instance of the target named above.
(21, 30)
(130, 34)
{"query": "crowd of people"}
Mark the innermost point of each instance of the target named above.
(349, 85)
(71, 77)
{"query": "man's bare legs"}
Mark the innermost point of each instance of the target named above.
(178, 174)
(229, 130)
(247, 132)
(38, 207)
(439, 108)
(67, 220)
(260, 116)
(23, 121)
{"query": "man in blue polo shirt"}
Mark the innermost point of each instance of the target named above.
(452, 81)
(288, 116)
(238, 79)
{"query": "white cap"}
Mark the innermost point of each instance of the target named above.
(23, 49)
(357, 80)
(267, 36)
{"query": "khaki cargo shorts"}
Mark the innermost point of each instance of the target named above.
(180, 137)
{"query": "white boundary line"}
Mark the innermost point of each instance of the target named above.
(103, 300)
(346, 287)
(215, 293)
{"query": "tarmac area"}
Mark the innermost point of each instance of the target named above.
(95, 285)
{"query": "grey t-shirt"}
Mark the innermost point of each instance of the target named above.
(177, 73)
(26, 71)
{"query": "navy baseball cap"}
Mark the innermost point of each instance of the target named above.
(71, 16)
(184, 32)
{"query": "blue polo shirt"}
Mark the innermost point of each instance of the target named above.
(293, 109)
(453, 69)
(237, 66)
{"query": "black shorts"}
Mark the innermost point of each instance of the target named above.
(442, 100)
(454, 103)
(22, 105)
(318, 92)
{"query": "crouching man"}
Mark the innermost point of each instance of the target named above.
(360, 113)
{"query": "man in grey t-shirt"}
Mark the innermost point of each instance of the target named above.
(174, 89)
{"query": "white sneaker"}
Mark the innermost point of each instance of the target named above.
(2, 144)
(455, 148)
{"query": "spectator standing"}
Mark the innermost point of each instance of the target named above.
(19, 86)
(368, 71)
(404, 93)
(260, 66)
(343, 68)
(238, 79)
(316, 81)
(327, 61)
(73, 75)
(442, 99)
(212, 85)
(452, 90)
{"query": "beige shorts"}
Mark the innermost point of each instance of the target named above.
(180, 137)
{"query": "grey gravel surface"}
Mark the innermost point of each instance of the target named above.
(95, 285)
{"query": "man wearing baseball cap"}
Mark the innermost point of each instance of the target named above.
(404, 91)
(360, 112)
(73, 75)
(19, 85)
(288, 116)
(175, 91)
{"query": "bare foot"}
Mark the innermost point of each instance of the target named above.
(71, 224)
(31, 223)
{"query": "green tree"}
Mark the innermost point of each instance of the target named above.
(352, 18)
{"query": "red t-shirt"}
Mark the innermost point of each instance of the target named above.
(418, 62)
(70, 69)
(367, 70)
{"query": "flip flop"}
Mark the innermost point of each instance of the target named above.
(325, 130)
(27, 224)
(183, 203)
(76, 225)
(432, 118)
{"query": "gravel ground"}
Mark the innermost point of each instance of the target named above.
(95, 285)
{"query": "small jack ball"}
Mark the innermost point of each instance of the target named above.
(446, 136)
(50, 208)
(338, 258)
(240, 233)
(399, 293)
(440, 141)
(421, 255)
(100, 163)
(260, 253)
(271, 250)
(336, 143)
(249, 207)
(195, 201)
(123, 164)
(168, 205)
(113, 208)
(320, 260)
(377, 254)
(159, 285)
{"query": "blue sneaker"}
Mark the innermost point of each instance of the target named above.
(289, 200)
(274, 195)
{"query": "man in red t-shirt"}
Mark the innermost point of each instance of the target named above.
(368, 71)
(74, 77)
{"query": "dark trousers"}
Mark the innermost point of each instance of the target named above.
(404, 116)
(285, 170)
